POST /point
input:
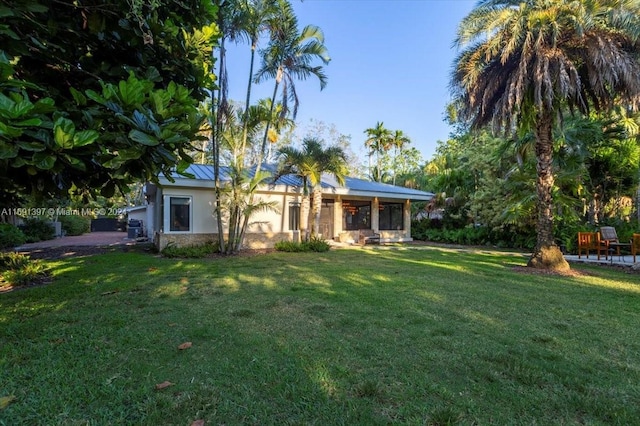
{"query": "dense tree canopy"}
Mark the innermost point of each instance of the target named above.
(525, 62)
(98, 94)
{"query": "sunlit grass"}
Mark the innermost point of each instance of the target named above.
(374, 336)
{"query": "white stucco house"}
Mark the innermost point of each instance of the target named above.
(182, 212)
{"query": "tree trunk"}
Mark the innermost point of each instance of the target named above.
(547, 254)
(304, 218)
(216, 136)
(317, 207)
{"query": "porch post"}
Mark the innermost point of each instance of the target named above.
(375, 214)
(337, 216)
(407, 218)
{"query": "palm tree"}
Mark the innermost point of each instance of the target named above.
(378, 141)
(255, 17)
(289, 56)
(309, 163)
(523, 61)
(398, 141)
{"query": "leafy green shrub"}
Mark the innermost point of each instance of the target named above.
(36, 229)
(18, 269)
(193, 252)
(11, 236)
(314, 244)
(74, 224)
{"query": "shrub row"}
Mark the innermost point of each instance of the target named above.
(313, 245)
(565, 234)
(192, 252)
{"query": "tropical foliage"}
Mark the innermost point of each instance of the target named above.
(309, 163)
(523, 63)
(290, 54)
(96, 96)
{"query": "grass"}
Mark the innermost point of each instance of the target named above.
(355, 337)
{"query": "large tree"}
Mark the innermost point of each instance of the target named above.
(290, 56)
(524, 61)
(309, 163)
(100, 93)
(378, 141)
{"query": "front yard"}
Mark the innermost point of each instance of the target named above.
(367, 336)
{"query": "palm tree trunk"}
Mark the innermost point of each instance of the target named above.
(216, 129)
(304, 217)
(245, 117)
(546, 254)
(317, 208)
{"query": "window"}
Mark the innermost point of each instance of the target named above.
(391, 216)
(294, 216)
(356, 215)
(179, 214)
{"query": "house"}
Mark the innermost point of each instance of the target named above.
(182, 212)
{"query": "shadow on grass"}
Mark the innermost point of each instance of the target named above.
(355, 337)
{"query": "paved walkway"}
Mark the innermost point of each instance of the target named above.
(91, 239)
(623, 260)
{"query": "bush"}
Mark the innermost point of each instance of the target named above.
(36, 229)
(193, 252)
(11, 236)
(18, 269)
(74, 224)
(314, 244)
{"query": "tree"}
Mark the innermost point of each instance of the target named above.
(378, 141)
(398, 141)
(289, 56)
(309, 163)
(523, 61)
(98, 98)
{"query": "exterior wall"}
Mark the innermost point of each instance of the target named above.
(266, 227)
(251, 241)
(202, 205)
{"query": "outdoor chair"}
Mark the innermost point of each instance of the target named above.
(609, 237)
(635, 246)
(368, 236)
(590, 241)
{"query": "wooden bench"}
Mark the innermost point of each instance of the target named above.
(367, 236)
(590, 241)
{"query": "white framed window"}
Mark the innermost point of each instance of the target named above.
(178, 214)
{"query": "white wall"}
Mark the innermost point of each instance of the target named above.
(202, 209)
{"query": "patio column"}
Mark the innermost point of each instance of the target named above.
(407, 218)
(337, 216)
(375, 214)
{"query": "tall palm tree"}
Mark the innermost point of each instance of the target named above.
(398, 141)
(378, 141)
(309, 163)
(289, 56)
(523, 61)
(255, 17)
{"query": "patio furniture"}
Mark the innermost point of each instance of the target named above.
(635, 246)
(590, 241)
(609, 236)
(367, 236)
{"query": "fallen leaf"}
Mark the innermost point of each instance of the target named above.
(163, 385)
(6, 400)
(198, 422)
(185, 345)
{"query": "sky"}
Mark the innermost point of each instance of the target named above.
(390, 62)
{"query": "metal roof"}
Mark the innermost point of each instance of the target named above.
(203, 176)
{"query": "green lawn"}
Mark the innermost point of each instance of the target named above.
(355, 337)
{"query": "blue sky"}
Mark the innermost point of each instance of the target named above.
(390, 62)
